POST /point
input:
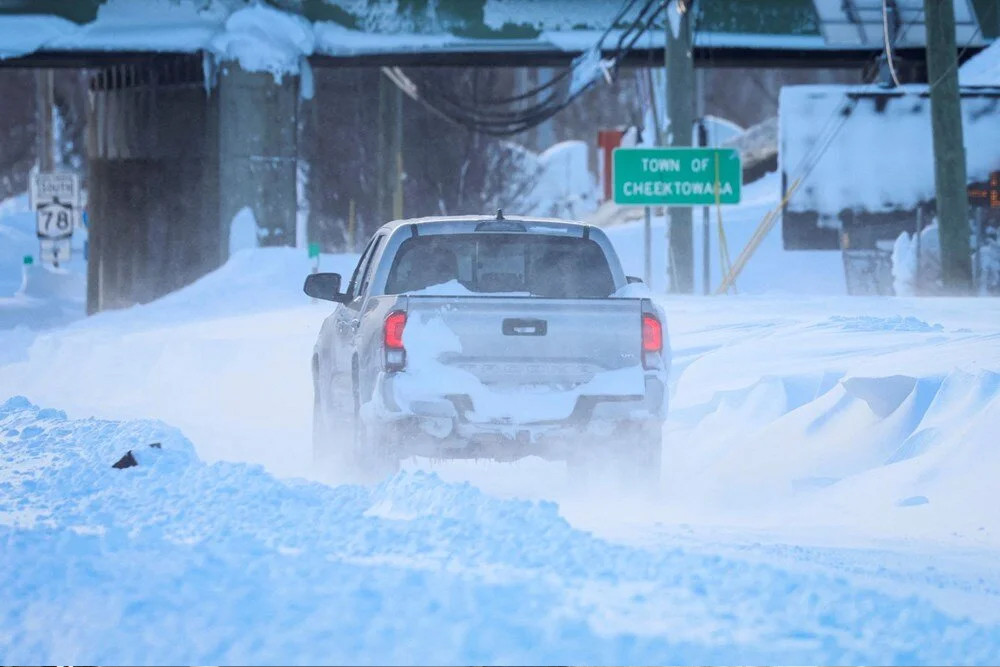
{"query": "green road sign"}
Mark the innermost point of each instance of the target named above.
(676, 176)
(314, 250)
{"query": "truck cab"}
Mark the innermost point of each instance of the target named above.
(490, 337)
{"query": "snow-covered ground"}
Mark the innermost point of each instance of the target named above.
(829, 493)
(36, 296)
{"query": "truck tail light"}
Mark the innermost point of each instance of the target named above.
(652, 334)
(652, 341)
(395, 353)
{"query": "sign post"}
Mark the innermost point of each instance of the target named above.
(55, 196)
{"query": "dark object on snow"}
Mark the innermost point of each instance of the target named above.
(126, 461)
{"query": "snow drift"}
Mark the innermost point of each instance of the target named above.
(177, 561)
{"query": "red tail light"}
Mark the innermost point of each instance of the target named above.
(395, 355)
(652, 334)
(394, 324)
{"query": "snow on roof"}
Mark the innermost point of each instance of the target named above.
(983, 69)
(264, 38)
(881, 158)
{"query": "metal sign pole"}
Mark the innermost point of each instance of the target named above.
(647, 251)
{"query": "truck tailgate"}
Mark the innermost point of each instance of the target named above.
(509, 342)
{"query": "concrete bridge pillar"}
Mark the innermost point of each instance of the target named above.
(258, 128)
(152, 148)
(172, 158)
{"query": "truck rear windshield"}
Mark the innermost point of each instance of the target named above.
(490, 263)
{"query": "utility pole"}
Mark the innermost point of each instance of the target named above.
(949, 149)
(389, 157)
(44, 101)
(397, 191)
(679, 64)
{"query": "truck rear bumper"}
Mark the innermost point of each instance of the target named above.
(448, 425)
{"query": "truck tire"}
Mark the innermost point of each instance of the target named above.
(332, 430)
(642, 456)
(630, 459)
(376, 450)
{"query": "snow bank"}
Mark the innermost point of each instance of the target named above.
(983, 69)
(177, 561)
(37, 296)
(563, 186)
(242, 231)
(771, 269)
(225, 358)
(17, 239)
(916, 263)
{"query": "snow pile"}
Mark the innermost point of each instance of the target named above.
(983, 69)
(177, 561)
(916, 263)
(563, 186)
(225, 358)
(988, 261)
(17, 240)
(771, 269)
(35, 295)
(243, 231)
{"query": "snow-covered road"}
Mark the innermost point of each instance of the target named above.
(829, 497)
(178, 561)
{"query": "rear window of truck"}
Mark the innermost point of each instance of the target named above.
(498, 263)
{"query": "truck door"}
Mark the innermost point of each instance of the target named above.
(349, 316)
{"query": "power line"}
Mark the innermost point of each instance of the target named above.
(888, 42)
(958, 59)
(503, 116)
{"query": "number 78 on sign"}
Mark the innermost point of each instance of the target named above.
(676, 176)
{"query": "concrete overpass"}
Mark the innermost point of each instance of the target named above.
(195, 106)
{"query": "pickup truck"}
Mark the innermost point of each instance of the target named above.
(490, 337)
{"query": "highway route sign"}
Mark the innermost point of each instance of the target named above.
(56, 199)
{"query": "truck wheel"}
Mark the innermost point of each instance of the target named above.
(376, 450)
(629, 460)
(332, 432)
(642, 456)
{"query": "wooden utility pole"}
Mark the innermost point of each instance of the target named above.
(949, 149)
(680, 108)
(390, 152)
(45, 100)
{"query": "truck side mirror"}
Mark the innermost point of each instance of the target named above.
(324, 286)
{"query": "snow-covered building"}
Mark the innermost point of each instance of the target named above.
(858, 166)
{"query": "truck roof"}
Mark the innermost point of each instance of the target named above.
(445, 224)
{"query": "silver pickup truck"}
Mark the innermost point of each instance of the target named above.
(490, 337)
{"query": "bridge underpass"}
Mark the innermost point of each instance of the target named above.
(179, 142)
